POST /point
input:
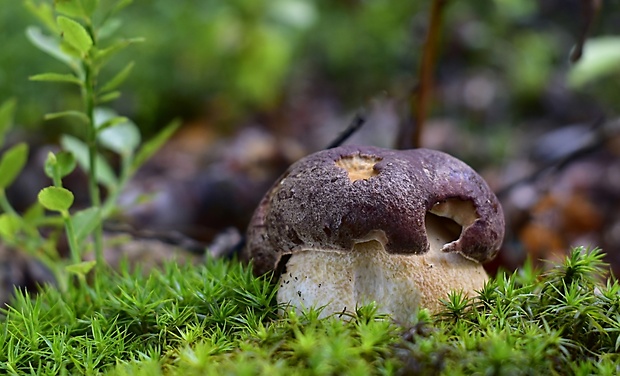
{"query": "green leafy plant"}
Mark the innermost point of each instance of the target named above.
(17, 230)
(76, 41)
(79, 34)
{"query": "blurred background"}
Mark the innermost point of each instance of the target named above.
(261, 83)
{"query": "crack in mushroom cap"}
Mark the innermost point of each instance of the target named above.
(323, 203)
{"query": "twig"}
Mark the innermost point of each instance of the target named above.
(590, 10)
(421, 97)
(354, 126)
(557, 165)
(169, 237)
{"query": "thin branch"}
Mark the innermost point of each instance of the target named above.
(174, 238)
(557, 165)
(421, 98)
(354, 126)
(590, 9)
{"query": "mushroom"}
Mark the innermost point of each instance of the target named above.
(359, 224)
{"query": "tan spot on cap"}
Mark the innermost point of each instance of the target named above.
(359, 167)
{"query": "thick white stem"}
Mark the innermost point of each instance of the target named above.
(399, 284)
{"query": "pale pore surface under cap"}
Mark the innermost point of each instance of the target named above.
(399, 284)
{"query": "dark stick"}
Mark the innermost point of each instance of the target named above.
(558, 165)
(353, 127)
(421, 98)
(590, 10)
(174, 238)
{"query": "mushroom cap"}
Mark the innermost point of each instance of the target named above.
(336, 198)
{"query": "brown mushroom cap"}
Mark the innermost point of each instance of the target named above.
(336, 198)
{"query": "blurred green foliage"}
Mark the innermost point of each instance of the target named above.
(227, 60)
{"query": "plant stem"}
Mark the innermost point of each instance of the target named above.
(6, 205)
(93, 187)
(73, 246)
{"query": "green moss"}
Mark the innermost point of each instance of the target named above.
(218, 319)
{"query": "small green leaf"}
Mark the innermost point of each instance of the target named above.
(117, 80)
(9, 226)
(85, 221)
(116, 133)
(33, 214)
(123, 138)
(51, 46)
(108, 29)
(56, 77)
(59, 166)
(89, 6)
(81, 268)
(151, 146)
(44, 12)
(102, 56)
(70, 50)
(12, 163)
(75, 34)
(50, 165)
(56, 198)
(112, 122)
(109, 97)
(66, 163)
(7, 110)
(70, 7)
(105, 174)
(120, 5)
(80, 115)
(106, 118)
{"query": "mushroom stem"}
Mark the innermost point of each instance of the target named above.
(400, 284)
